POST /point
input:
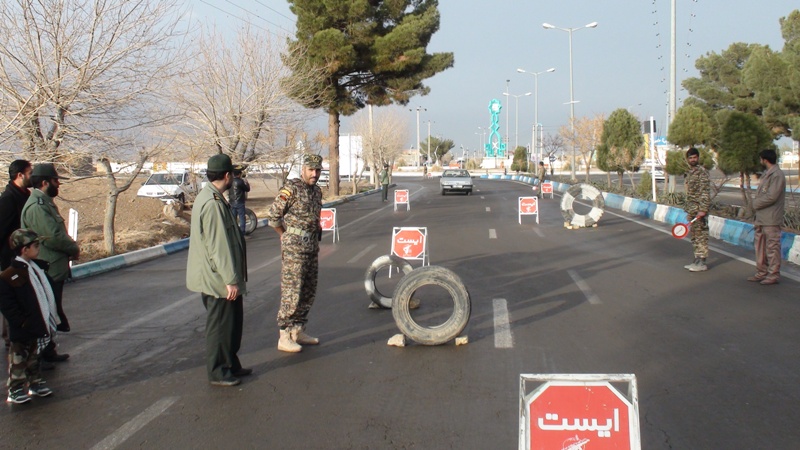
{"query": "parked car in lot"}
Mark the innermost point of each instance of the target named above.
(658, 173)
(167, 186)
(324, 178)
(456, 180)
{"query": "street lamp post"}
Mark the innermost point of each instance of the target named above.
(516, 116)
(429, 141)
(508, 141)
(547, 26)
(536, 105)
(418, 141)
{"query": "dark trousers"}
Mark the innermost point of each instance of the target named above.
(5, 332)
(238, 213)
(224, 320)
(385, 191)
(58, 294)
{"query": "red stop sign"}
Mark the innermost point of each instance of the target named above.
(578, 415)
(327, 219)
(401, 196)
(547, 188)
(408, 243)
(528, 205)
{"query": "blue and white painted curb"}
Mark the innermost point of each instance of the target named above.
(728, 230)
(139, 256)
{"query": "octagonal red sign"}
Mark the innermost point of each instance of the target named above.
(547, 188)
(409, 243)
(327, 219)
(401, 196)
(528, 205)
(580, 415)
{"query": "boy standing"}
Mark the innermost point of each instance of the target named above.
(27, 301)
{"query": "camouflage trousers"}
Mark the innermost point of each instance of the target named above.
(23, 364)
(700, 237)
(298, 287)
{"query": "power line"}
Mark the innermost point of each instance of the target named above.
(256, 15)
(275, 10)
(247, 21)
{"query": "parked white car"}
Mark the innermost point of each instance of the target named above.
(168, 186)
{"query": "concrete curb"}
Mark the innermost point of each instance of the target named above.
(728, 230)
(99, 266)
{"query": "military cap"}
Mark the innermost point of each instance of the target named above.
(46, 170)
(220, 163)
(22, 237)
(313, 161)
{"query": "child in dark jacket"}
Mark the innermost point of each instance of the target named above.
(27, 301)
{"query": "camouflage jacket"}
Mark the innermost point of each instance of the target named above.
(298, 206)
(698, 190)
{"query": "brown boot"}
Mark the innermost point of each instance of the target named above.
(286, 343)
(300, 336)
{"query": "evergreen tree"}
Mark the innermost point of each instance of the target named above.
(372, 52)
(622, 137)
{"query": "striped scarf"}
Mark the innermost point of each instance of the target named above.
(47, 301)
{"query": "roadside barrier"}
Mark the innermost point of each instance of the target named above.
(369, 277)
(586, 191)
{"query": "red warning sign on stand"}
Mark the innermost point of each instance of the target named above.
(528, 206)
(327, 219)
(409, 243)
(547, 188)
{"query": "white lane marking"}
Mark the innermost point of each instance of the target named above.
(584, 287)
(361, 254)
(377, 211)
(116, 438)
(482, 197)
(488, 209)
(502, 326)
(538, 232)
(492, 233)
(711, 247)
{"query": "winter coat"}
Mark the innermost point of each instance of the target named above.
(41, 215)
(11, 202)
(19, 304)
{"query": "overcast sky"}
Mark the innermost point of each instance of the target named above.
(622, 63)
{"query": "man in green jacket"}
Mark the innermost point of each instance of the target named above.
(217, 269)
(770, 204)
(41, 215)
(383, 177)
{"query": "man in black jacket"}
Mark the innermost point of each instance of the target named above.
(11, 202)
(238, 194)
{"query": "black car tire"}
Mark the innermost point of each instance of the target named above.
(369, 277)
(250, 221)
(438, 276)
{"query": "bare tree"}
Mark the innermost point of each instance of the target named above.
(83, 79)
(552, 145)
(586, 138)
(383, 136)
(236, 99)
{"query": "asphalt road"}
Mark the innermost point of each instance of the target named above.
(716, 357)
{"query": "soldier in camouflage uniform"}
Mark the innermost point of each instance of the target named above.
(295, 216)
(698, 199)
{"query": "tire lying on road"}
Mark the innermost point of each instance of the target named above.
(437, 276)
(251, 221)
(372, 272)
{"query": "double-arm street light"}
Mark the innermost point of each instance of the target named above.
(547, 26)
(516, 116)
(536, 105)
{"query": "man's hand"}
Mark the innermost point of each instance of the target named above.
(233, 292)
(700, 215)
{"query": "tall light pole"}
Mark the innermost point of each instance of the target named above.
(536, 104)
(508, 141)
(429, 141)
(418, 141)
(516, 116)
(547, 26)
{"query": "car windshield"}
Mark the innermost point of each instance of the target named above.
(455, 174)
(164, 178)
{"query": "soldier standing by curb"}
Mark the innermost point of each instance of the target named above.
(384, 178)
(238, 194)
(540, 174)
(217, 269)
(698, 200)
(295, 216)
(41, 215)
